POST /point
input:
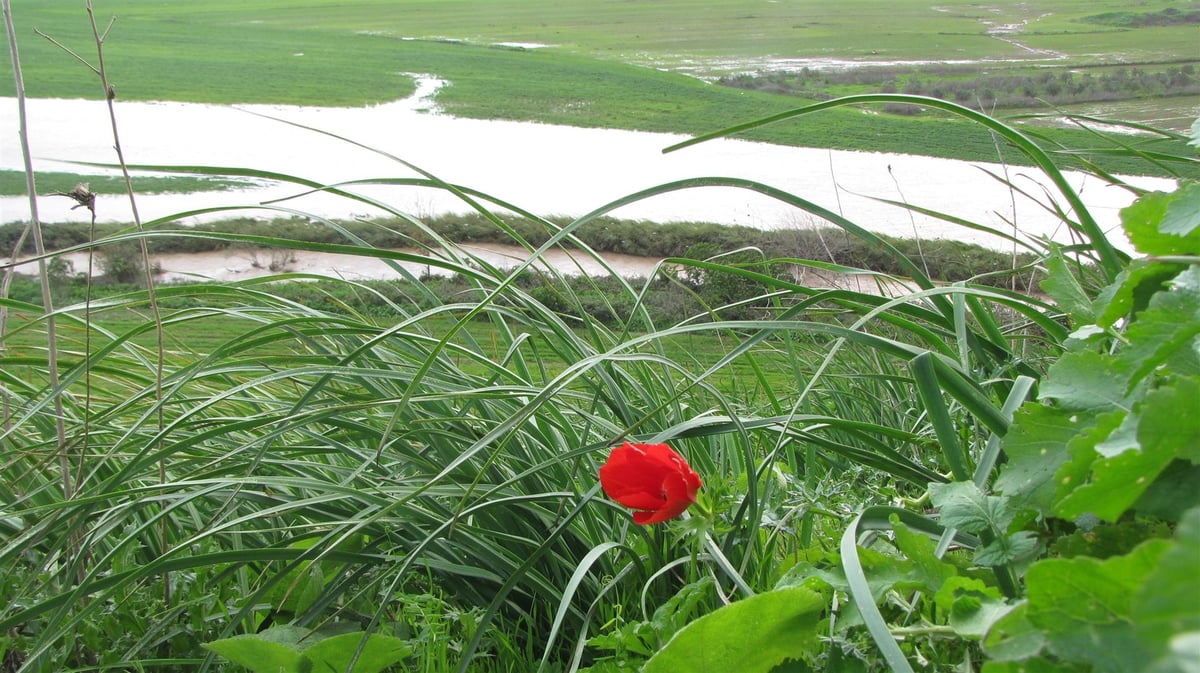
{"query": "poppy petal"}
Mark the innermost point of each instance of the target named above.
(651, 478)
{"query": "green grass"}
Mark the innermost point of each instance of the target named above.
(12, 183)
(202, 336)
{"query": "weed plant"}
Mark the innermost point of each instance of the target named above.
(405, 476)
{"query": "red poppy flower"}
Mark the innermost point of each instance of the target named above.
(650, 478)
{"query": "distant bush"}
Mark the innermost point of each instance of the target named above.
(1164, 17)
(975, 88)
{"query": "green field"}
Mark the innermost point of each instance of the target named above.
(596, 72)
(12, 183)
(242, 52)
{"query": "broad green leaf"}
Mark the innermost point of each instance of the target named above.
(1170, 422)
(1081, 449)
(1109, 540)
(1133, 290)
(1168, 602)
(1114, 485)
(931, 571)
(1111, 647)
(333, 655)
(1081, 602)
(275, 650)
(1013, 637)
(752, 635)
(1166, 329)
(1086, 381)
(1183, 213)
(972, 605)
(1036, 446)
(1172, 493)
(1063, 287)
(1145, 221)
(1169, 429)
(1183, 655)
(1084, 589)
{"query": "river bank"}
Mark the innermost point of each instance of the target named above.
(545, 169)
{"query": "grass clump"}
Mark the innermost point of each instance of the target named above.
(12, 183)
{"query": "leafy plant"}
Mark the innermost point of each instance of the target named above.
(292, 649)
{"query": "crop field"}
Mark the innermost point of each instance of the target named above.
(638, 65)
(704, 36)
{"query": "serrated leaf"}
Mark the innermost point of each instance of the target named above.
(1168, 602)
(1183, 212)
(1080, 602)
(1086, 381)
(752, 635)
(1169, 428)
(677, 611)
(1144, 219)
(1006, 549)
(1062, 285)
(1036, 446)
(1169, 324)
(1133, 289)
(964, 507)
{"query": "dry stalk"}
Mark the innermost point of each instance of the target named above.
(35, 230)
(148, 269)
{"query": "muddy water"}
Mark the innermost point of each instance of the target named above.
(247, 263)
(549, 170)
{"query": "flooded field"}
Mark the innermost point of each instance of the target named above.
(546, 169)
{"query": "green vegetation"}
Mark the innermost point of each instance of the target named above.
(354, 54)
(959, 475)
(1169, 16)
(12, 183)
(292, 473)
(984, 90)
(942, 259)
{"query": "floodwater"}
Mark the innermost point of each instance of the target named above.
(546, 169)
